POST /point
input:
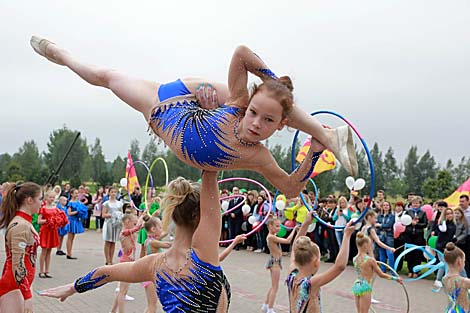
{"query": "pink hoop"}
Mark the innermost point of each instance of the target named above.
(270, 202)
(237, 206)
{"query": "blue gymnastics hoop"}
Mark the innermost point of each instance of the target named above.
(369, 159)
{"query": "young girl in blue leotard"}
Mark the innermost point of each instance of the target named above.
(227, 137)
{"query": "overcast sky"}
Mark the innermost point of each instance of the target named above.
(399, 70)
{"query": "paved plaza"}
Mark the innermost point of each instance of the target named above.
(248, 279)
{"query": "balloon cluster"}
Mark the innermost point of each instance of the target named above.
(355, 185)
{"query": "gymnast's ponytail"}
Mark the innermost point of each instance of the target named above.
(15, 195)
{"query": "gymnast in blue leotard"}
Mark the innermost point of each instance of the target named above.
(227, 137)
(188, 276)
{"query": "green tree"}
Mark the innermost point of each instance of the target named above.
(59, 142)
(30, 162)
(411, 171)
(5, 159)
(394, 185)
(427, 168)
(376, 155)
(439, 187)
(118, 169)
(14, 172)
(100, 172)
(462, 171)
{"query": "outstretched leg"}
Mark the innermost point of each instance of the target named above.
(138, 93)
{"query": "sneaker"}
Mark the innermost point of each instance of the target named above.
(374, 301)
(437, 284)
(116, 290)
(129, 298)
(264, 307)
(258, 251)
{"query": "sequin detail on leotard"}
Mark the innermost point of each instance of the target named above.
(199, 291)
(360, 286)
(300, 298)
(198, 130)
(459, 298)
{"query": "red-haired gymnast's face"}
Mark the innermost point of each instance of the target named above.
(262, 118)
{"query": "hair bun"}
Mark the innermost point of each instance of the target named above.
(286, 81)
(360, 235)
(146, 217)
(450, 246)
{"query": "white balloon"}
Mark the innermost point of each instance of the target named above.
(252, 219)
(405, 219)
(280, 205)
(123, 182)
(359, 184)
(225, 205)
(246, 209)
(350, 182)
(311, 227)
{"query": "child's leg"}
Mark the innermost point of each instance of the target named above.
(275, 275)
(364, 303)
(112, 246)
(61, 239)
(42, 260)
(70, 237)
(151, 298)
(139, 94)
(106, 252)
(48, 259)
(121, 296)
(358, 305)
(12, 301)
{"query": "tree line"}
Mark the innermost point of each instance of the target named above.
(87, 163)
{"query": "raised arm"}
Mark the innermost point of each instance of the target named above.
(287, 240)
(129, 272)
(238, 239)
(244, 61)
(206, 237)
(340, 264)
(302, 232)
(290, 185)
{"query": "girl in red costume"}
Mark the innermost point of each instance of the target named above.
(51, 219)
(21, 242)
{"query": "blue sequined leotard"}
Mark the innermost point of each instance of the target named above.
(202, 287)
(178, 118)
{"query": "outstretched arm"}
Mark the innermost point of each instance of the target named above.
(206, 237)
(238, 239)
(244, 61)
(292, 184)
(374, 237)
(130, 272)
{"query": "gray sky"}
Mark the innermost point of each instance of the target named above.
(399, 70)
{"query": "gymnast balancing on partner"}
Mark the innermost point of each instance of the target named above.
(227, 137)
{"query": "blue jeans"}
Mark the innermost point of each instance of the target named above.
(386, 254)
(339, 237)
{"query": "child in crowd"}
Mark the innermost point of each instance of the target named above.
(154, 232)
(51, 219)
(365, 266)
(274, 264)
(76, 211)
(456, 286)
(445, 231)
(62, 231)
(130, 226)
(112, 224)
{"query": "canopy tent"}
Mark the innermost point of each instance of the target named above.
(453, 199)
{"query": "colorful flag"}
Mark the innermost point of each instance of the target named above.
(326, 161)
(131, 176)
(453, 199)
